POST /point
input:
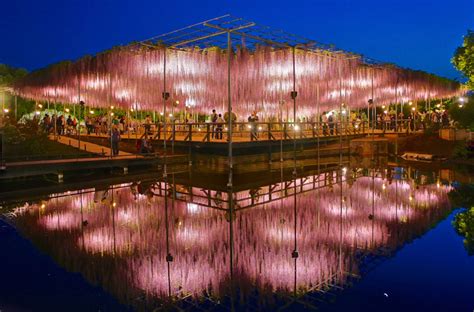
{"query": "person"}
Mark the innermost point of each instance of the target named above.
(324, 120)
(219, 124)
(148, 125)
(145, 146)
(331, 123)
(214, 117)
(115, 140)
(253, 119)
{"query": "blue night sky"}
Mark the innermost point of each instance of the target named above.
(419, 34)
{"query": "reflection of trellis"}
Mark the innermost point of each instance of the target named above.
(267, 194)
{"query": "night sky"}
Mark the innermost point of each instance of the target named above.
(419, 34)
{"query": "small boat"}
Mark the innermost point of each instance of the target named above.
(421, 157)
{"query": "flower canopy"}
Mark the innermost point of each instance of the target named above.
(192, 65)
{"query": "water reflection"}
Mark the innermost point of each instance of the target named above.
(149, 242)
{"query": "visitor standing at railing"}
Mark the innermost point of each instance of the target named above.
(331, 123)
(253, 119)
(148, 124)
(214, 117)
(219, 124)
(115, 140)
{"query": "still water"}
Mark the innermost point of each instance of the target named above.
(350, 238)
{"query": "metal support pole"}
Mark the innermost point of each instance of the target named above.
(229, 107)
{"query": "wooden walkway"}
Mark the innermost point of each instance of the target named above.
(89, 147)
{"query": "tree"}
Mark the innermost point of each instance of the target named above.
(9, 74)
(463, 223)
(463, 58)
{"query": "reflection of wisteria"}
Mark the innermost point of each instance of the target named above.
(119, 226)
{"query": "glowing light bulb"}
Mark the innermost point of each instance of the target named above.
(91, 112)
(161, 114)
(40, 105)
(413, 109)
(410, 103)
(170, 115)
(67, 110)
(111, 114)
(6, 110)
(249, 126)
(383, 106)
(37, 113)
(259, 128)
(383, 186)
(297, 128)
(112, 107)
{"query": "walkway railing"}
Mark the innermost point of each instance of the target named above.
(263, 131)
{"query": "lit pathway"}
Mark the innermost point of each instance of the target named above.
(89, 147)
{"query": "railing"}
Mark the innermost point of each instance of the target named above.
(266, 131)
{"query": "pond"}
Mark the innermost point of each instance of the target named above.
(333, 240)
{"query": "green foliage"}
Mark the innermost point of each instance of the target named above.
(463, 58)
(463, 223)
(8, 74)
(462, 196)
(464, 116)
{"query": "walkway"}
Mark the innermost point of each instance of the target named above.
(89, 147)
